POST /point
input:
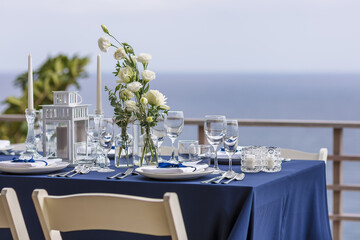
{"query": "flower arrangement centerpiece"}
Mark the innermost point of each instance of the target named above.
(132, 97)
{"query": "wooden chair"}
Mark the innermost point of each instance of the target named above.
(102, 211)
(11, 215)
(299, 155)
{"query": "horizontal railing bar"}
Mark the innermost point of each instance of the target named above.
(285, 123)
(12, 118)
(344, 187)
(243, 122)
(344, 158)
(345, 217)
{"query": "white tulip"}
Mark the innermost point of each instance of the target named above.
(148, 75)
(104, 44)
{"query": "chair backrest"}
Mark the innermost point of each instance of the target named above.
(11, 215)
(299, 155)
(103, 211)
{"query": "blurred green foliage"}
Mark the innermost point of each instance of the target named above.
(56, 74)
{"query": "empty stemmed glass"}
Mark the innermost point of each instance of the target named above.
(215, 127)
(231, 140)
(174, 123)
(159, 132)
(50, 131)
(106, 140)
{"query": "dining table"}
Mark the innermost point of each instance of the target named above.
(290, 204)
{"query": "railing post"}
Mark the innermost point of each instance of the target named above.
(201, 134)
(337, 180)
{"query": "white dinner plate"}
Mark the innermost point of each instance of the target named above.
(35, 170)
(177, 176)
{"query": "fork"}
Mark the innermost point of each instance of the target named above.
(210, 180)
(115, 175)
(127, 173)
(79, 170)
(63, 174)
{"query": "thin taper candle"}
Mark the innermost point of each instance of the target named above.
(98, 88)
(30, 85)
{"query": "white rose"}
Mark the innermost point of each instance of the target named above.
(148, 75)
(104, 44)
(156, 98)
(144, 58)
(143, 101)
(134, 87)
(120, 53)
(165, 107)
(126, 94)
(125, 74)
(133, 58)
(131, 106)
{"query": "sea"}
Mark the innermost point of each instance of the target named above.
(320, 96)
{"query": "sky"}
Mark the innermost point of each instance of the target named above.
(227, 36)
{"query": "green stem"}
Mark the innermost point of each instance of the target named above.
(115, 39)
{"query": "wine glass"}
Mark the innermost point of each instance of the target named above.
(231, 140)
(215, 128)
(159, 132)
(50, 131)
(106, 140)
(174, 123)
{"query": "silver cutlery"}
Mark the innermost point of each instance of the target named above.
(237, 177)
(211, 179)
(85, 170)
(225, 175)
(63, 174)
(115, 175)
(127, 173)
(76, 171)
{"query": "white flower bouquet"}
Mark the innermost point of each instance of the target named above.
(132, 97)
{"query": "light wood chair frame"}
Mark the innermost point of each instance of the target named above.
(11, 215)
(299, 155)
(104, 211)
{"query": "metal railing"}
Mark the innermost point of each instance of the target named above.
(337, 216)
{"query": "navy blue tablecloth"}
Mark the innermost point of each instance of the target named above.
(291, 204)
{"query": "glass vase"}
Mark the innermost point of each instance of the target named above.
(147, 149)
(123, 149)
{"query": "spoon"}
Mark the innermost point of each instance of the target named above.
(237, 177)
(225, 175)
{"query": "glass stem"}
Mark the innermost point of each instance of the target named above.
(159, 150)
(173, 149)
(216, 164)
(230, 163)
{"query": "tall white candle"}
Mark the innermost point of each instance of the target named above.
(98, 88)
(30, 85)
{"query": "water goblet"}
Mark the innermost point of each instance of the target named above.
(49, 133)
(106, 140)
(215, 127)
(174, 123)
(231, 140)
(159, 132)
